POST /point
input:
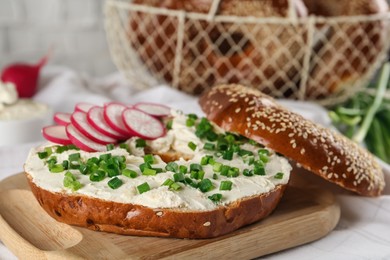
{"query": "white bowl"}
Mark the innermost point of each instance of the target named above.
(24, 130)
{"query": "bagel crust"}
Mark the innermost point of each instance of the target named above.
(320, 150)
(131, 219)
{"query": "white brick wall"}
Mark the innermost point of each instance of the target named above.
(28, 28)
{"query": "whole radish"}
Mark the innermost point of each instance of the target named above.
(24, 76)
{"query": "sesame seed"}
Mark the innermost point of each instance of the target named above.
(207, 224)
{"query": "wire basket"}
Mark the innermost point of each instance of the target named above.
(325, 60)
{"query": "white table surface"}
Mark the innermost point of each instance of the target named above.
(363, 231)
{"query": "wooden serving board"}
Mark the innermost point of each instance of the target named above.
(304, 215)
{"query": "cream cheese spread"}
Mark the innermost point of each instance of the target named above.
(12, 108)
(277, 171)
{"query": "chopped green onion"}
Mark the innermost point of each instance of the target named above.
(172, 167)
(98, 175)
(201, 175)
(209, 146)
(183, 169)
(65, 164)
(129, 173)
(192, 116)
(248, 159)
(192, 146)
(216, 197)
(144, 166)
(149, 172)
(233, 172)
(227, 155)
(71, 182)
(215, 176)
(115, 183)
(195, 167)
(279, 175)
(169, 124)
(149, 158)
(109, 147)
(74, 157)
(230, 138)
(105, 157)
(217, 167)
(140, 143)
(205, 185)
(158, 170)
(259, 170)
(222, 144)
(175, 186)
(190, 122)
(225, 185)
(43, 155)
(125, 146)
(179, 177)
(191, 182)
(168, 182)
(84, 169)
(211, 136)
(194, 174)
(243, 152)
(144, 187)
(56, 168)
(225, 170)
(205, 159)
(247, 172)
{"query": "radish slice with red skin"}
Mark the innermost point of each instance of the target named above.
(153, 109)
(62, 118)
(95, 118)
(113, 116)
(56, 134)
(142, 124)
(83, 107)
(83, 142)
(79, 120)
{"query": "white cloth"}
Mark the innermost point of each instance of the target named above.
(363, 231)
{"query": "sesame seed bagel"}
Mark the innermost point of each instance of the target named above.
(320, 150)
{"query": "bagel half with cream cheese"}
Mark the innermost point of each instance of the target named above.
(212, 182)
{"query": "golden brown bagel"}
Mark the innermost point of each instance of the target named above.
(109, 216)
(324, 152)
(215, 52)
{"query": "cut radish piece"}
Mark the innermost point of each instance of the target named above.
(95, 118)
(56, 134)
(83, 107)
(79, 120)
(62, 118)
(82, 142)
(142, 124)
(153, 109)
(113, 116)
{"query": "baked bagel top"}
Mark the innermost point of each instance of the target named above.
(320, 150)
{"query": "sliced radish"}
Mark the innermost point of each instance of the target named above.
(62, 118)
(56, 134)
(153, 109)
(83, 142)
(142, 124)
(113, 116)
(95, 118)
(83, 107)
(79, 120)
